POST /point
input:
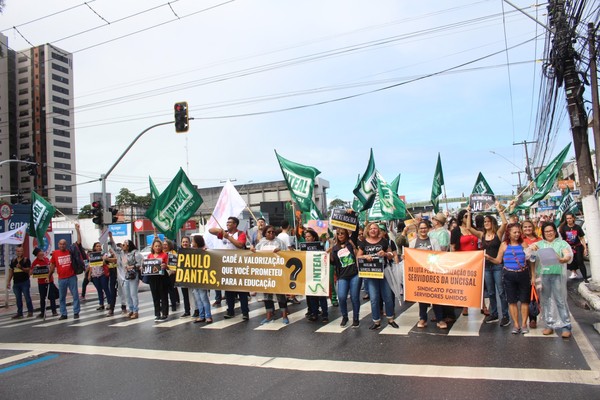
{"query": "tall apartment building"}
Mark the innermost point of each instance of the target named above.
(43, 127)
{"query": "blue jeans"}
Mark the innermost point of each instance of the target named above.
(493, 285)
(202, 302)
(71, 284)
(351, 285)
(130, 288)
(379, 288)
(22, 289)
(101, 284)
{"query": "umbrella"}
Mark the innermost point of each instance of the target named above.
(394, 275)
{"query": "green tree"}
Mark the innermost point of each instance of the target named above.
(336, 203)
(85, 212)
(127, 198)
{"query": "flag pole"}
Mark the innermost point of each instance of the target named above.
(69, 219)
(446, 198)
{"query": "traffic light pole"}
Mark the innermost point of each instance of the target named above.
(104, 176)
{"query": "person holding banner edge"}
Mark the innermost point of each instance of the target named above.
(373, 246)
(201, 295)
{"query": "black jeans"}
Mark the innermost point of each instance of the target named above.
(43, 288)
(159, 287)
(230, 299)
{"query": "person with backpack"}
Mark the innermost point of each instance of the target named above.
(67, 262)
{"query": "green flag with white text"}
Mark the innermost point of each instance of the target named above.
(567, 205)
(481, 186)
(392, 207)
(436, 187)
(175, 205)
(300, 180)
(545, 180)
(42, 212)
(366, 189)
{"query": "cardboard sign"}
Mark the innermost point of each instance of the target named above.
(370, 269)
(342, 219)
(152, 266)
(95, 259)
(172, 262)
(40, 271)
(482, 202)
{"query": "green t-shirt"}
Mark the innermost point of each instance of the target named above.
(442, 236)
(558, 245)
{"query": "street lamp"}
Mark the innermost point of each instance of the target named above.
(518, 172)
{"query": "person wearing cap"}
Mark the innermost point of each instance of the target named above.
(45, 285)
(439, 231)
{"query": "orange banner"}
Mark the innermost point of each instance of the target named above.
(447, 278)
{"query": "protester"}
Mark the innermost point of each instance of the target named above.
(530, 237)
(233, 239)
(553, 297)
(98, 275)
(270, 243)
(255, 233)
(517, 275)
(185, 293)
(46, 286)
(85, 281)
(373, 246)
(424, 242)
(19, 274)
(201, 295)
(343, 259)
(169, 249)
(67, 279)
(159, 284)
(462, 239)
(314, 302)
(129, 259)
(490, 243)
(574, 235)
(439, 232)
(115, 284)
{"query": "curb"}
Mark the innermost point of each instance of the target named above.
(591, 296)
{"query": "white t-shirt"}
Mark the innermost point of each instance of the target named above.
(285, 238)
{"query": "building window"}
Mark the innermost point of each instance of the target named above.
(62, 122)
(22, 70)
(60, 89)
(61, 132)
(23, 102)
(25, 179)
(60, 68)
(23, 91)
(24, 146)
(23, 80)
(22, 59)
(60, 143)
(23, 124)
(60, 111)
(63, 199)
(60, 100)
(23, 113)
(63, 188)
(62, 166)
(59, 57)
(62, 154)
(62, 177)
(61, 79)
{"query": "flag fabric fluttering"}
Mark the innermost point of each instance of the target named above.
(175, 205)
(395, 184)
(567, 205)
(300, 180)
(481, 186)
(436, 187)
(42, 212)
(16, 236)
(229, 204)
(545, 180)
(392, 207)
(153, 190)
(366, 190)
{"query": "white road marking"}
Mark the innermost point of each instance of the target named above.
(585, 377)
(19, 357)
(334, 326)
(405, 321)
(468, 325)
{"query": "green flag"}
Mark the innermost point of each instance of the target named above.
(395, 183)
(300, 180)
(42, 212)
(392, 207)
(153, 190)
(481, 186)
(545, 180)
(365, 189)
(436, 187)
(567, 205)
(175, 205)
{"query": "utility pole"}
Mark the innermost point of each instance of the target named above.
(527, 165)
(595, 100)
(563, 62)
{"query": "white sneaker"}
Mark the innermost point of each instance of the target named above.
(573, 275)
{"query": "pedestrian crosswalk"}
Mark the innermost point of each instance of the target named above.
(406, 318)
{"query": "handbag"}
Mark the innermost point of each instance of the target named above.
(534, 304)
(52, 291)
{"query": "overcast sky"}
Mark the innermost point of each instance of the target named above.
(233, 58)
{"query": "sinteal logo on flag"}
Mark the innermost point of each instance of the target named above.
(183, 199)
(39, 212)
(300, 185)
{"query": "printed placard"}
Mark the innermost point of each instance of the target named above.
(95, 259)
(482, 202)
(370, 269)
(40, 271)
(342, 219)
(152, 266)
(311, 246)
(446, 278)
(172, 262)
(284, 272)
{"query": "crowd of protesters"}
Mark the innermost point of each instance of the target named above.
(512, 270)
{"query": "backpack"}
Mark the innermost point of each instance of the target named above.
(77, 259)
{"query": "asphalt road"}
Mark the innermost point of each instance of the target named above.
(102, 357)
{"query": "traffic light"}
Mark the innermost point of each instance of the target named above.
(97, 212)
(31, 166)
(181, 117)
(113, 212)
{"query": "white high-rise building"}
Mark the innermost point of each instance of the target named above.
(44, 126)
